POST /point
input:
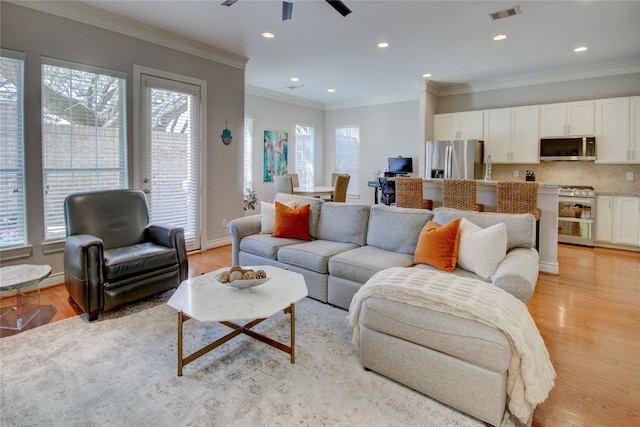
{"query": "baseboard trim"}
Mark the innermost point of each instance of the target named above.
(549, 267)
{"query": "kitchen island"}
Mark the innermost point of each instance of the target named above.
(547, 203)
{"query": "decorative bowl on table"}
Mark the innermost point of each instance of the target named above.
(240, 278)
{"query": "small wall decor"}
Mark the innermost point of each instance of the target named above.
(275, 154)
(226, 135)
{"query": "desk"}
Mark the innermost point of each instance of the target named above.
(316, 191)
(19, 277)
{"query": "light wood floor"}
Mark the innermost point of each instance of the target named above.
(589, 317)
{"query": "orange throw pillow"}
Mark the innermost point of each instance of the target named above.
(292, 223)
(438, 246)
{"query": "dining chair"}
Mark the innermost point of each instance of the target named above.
(294, 178)
(409, 194)
(334, 177)
(519, 197)
(340, 188)
(460, 194)
(284, 184)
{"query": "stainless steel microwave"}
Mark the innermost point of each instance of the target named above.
(571, 148)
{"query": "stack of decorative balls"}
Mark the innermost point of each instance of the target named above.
(238, 273)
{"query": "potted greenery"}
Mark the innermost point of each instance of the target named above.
(250, 199)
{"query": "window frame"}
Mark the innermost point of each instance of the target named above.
(353, 190)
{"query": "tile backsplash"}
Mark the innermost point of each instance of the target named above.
(610, 178)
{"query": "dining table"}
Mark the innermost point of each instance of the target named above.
(315, 191)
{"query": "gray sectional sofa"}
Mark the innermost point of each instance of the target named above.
(352, 242)
(460, 362)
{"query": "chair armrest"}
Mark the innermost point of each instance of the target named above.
(239, 228)
(518, 273)
(83, 259)
(171, 237)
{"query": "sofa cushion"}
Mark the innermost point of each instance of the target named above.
(264, 245)
(482, 249)
(315, 205)
(136, 259)
(361, 263)
(313, 255)
(268, 215)
(521, 228)
(464, 339)
(438, 245)
(344, 222)
(292, 222)
(396, 229)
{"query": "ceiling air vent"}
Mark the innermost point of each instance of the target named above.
(505, 13)
(294, 87)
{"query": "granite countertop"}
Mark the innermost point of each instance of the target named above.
(495, 182)
(616, 193)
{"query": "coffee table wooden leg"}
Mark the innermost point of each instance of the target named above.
(180, 322)
(292, 313)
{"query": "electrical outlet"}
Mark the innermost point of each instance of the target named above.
(629, 176)
(224, 222)
(516, 173)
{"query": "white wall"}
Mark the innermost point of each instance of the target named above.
(40, 34)
(282, 116)
(387, 130)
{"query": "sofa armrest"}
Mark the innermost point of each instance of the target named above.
(171, 237)
(518, 273)
(239, 228)
(83, 259)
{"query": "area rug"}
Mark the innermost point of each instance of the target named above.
(122, 371)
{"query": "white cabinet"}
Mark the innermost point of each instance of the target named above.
(618, 220)
(613, 130)
(634, 126)
(566, 119)
(511, 135)
(465, 125)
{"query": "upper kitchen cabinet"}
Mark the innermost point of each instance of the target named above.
(613, 130)
(465, 125)
(511, 135)
(566, 119)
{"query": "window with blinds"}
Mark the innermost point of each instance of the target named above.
(348, 156)
(83, 135)
(248, 153)
(12, 204)
(305, 146)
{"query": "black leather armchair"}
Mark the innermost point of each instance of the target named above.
(112, 256)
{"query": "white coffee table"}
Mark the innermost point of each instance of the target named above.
(205, 299)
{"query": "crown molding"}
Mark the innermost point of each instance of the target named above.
(369, 102)
(445, 89)
(278, 96)
(108, 21)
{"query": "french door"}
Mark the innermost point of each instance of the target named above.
(170, 152)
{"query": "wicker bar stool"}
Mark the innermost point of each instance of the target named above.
(460, 194)
(520, 197)
(409, 194)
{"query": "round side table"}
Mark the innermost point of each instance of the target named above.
(20, 277)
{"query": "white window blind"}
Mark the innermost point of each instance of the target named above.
(348, 156)
(248, 153)
(12, 205)
(83, 135)
(305, 146)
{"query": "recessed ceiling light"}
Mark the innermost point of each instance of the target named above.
(268, 35)
(295, 79)
(426, 75)
(331, 90)
(383, 45)
(580, 49)
(500, 37)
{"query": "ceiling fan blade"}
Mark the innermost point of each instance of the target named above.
(228, 2)
(339, 6)
(287, 8)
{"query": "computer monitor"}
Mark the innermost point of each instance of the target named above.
(401, 165)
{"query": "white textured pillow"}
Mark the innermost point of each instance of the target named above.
(268, 215)
(482, 250)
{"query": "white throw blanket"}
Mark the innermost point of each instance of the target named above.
(530, 376)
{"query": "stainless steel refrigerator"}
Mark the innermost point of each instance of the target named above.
(460, 159)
